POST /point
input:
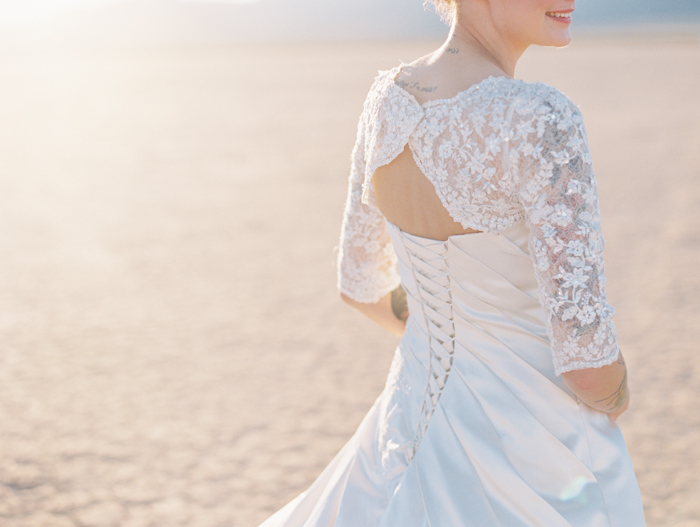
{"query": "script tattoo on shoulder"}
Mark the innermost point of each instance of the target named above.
(415, 85)
(399, 305)
(454, 51)
(615, 401)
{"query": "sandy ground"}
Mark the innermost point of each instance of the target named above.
(173, 351)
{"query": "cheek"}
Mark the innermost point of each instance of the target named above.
(521, 20)
(524, 22)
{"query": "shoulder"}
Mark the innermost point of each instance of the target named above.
(538, 96)
(546, 126)
(382, 83)
(507, 102)
(384, 78)
(383, 97)
(374, 100)
(543, 106)
(388, 108)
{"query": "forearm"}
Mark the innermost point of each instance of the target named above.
(390, 312)
(603, 388)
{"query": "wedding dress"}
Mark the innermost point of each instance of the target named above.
(475, 427)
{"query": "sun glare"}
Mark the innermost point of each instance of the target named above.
(18, 12)
(239, 2)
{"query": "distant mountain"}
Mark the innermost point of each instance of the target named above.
(140, 22)
(603, 13)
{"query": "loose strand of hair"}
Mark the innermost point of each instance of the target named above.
(444, 8)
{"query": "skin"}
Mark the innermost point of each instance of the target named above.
(380, 312)
(487, 38)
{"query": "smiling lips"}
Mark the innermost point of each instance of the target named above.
(560, 16)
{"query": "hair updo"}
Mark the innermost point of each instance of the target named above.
(445, 8)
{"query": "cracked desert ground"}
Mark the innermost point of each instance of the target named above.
(173, 351)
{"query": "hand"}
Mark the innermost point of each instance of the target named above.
(603, 388)
(622, 408)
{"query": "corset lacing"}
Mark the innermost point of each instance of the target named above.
(431, 273)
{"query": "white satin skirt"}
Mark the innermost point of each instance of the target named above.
(473, 428)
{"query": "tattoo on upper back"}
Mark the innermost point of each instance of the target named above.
(415, 85)
(399, 304)
(454, 51)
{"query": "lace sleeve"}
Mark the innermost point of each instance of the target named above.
(557, 189)
(367, 266)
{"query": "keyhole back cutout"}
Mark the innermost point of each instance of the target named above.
(408, 200)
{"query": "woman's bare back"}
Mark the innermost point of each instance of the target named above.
(404, 195)
(408, 200)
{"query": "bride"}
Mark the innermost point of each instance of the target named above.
(472, 231)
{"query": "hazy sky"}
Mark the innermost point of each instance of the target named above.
(160, 21)
(24, 10)
(18, 11)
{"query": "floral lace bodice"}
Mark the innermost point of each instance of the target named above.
(501, 152)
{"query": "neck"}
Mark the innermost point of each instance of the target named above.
(476, 36)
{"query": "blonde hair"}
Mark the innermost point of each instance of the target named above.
(447, 9)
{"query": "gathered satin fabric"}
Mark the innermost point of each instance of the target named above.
(473, 428)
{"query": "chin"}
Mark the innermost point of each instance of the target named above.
(560, 40)
(562, 43)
